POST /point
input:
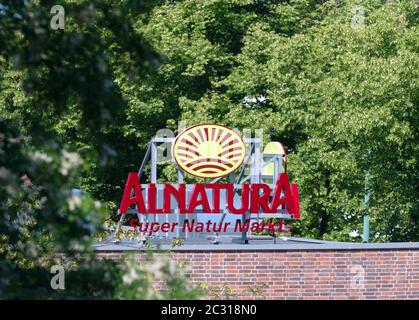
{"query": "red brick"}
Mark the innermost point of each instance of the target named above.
(389, 274)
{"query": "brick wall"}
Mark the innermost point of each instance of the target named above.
(337, 274)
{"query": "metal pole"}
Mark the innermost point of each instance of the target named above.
(180, 217)
(367, 195)
(153, 175)
(366, 229)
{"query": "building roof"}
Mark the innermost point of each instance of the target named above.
(255, 244)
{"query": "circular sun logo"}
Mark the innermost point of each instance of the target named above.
(208, 150)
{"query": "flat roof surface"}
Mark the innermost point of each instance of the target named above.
(255, 244)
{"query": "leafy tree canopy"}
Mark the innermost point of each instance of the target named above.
(335, 81)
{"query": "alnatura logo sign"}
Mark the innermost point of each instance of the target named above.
(208, 151)
(214, 151)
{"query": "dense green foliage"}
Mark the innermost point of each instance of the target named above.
(341, 94)
(331, 92)
(60, 112)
